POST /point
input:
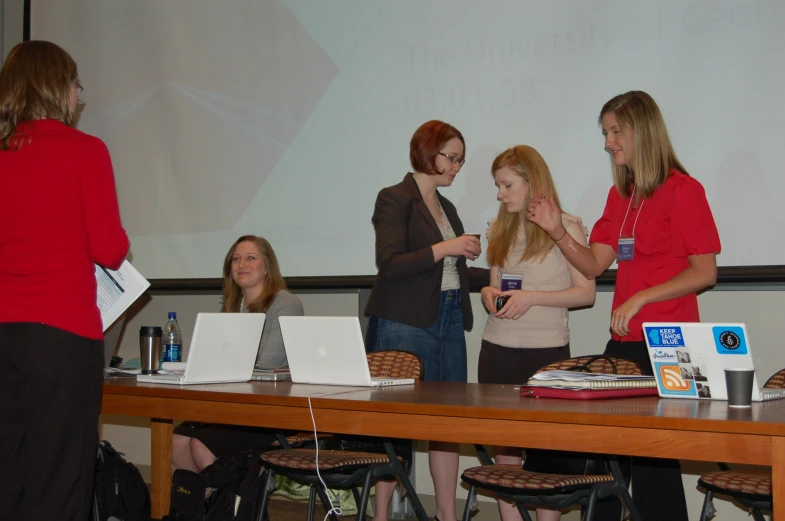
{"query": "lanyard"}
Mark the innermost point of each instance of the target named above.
(635, 223)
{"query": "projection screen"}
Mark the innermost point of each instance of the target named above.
(284, 118)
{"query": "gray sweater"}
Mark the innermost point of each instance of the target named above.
(271, 352)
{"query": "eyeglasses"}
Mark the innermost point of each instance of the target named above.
(78, 86)
(453, 159)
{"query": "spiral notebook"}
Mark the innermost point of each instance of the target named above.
(575, 385)
(585, 394)
(580, 380)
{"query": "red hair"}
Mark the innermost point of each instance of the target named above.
(426, 143)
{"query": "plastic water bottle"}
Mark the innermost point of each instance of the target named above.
(172, 340)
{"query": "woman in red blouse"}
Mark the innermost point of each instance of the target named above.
(58, 218)
(658, 226)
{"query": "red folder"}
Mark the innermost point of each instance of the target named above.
(586, 394)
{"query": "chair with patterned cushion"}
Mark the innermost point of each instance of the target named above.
(752, 490)
(595, 364)
(539, 489)
(346, 469)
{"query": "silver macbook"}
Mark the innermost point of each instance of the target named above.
(329, 351)
(223, 349)
(689, 359)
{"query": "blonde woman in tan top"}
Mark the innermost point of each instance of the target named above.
(531, 329)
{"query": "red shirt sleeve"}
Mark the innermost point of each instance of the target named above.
(691, 219)
(108, 242)
(604, 232)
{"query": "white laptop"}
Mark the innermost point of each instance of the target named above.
(329, 351)
(689, 359)
(223, 349)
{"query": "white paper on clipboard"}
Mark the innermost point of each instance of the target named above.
(117, 290)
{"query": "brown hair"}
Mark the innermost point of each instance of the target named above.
(527, 163)
(426, 143)
(35, 83)
(273, 280)
(652, 155)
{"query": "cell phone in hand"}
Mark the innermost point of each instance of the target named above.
(501, 301)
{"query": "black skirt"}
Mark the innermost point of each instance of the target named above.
(224, 440)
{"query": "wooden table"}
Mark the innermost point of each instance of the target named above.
(466, 413)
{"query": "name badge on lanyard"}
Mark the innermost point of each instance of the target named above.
(626, 249)
(627, 244)
(511, 281)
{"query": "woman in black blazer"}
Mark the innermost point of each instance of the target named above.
(420, 299)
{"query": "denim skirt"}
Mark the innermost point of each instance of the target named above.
(441, 347)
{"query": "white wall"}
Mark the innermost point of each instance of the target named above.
(11, 25)
(760, 310)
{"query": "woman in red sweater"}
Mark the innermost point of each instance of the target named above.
(658, 227)
(58, 218)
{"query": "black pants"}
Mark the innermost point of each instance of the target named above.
(50, 399)
(657, 487)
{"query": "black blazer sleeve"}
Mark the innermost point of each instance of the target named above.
(408, 285)
(391, 218)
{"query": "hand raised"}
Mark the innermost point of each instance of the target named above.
(545, 214)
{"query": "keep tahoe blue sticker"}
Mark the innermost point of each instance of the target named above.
(665, 336)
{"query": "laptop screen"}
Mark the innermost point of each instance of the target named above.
(689, 359)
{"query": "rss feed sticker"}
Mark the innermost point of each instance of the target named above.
(671, 357)
(672, 381)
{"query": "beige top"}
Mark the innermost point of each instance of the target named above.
(540, 326)
(450, 278)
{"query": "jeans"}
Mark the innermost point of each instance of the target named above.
(441, 347)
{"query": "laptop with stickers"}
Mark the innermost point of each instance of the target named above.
(223, 349)
(689, 359)
(329, 351)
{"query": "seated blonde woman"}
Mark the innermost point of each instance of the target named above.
(252, 283)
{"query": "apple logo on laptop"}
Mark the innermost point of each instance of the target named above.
(226, 348)
(322, 351)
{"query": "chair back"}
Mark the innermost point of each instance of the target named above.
(395, 364)
(777, 381)
(599, 364)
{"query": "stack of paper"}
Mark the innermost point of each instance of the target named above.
(117, 290)
(581, 380)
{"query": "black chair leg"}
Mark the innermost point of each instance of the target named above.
(757, 515)
(482, 454)
(260, 515)
(590, 504)
(419, 511)
(523, 511)
(324, 496)
(626, 499)
(358, 499)
(706, 506)
(311, 503)
(467, 512)
(362, 504)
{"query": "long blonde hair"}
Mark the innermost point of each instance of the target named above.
(652, 155)
(35, 83)
(273, 280)
(527, 163)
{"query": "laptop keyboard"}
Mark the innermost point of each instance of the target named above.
(771, 394)
(172, 377)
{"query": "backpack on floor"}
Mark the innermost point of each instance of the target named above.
(231, 484)
(119, 491)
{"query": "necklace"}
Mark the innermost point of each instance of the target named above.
(521, 235)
